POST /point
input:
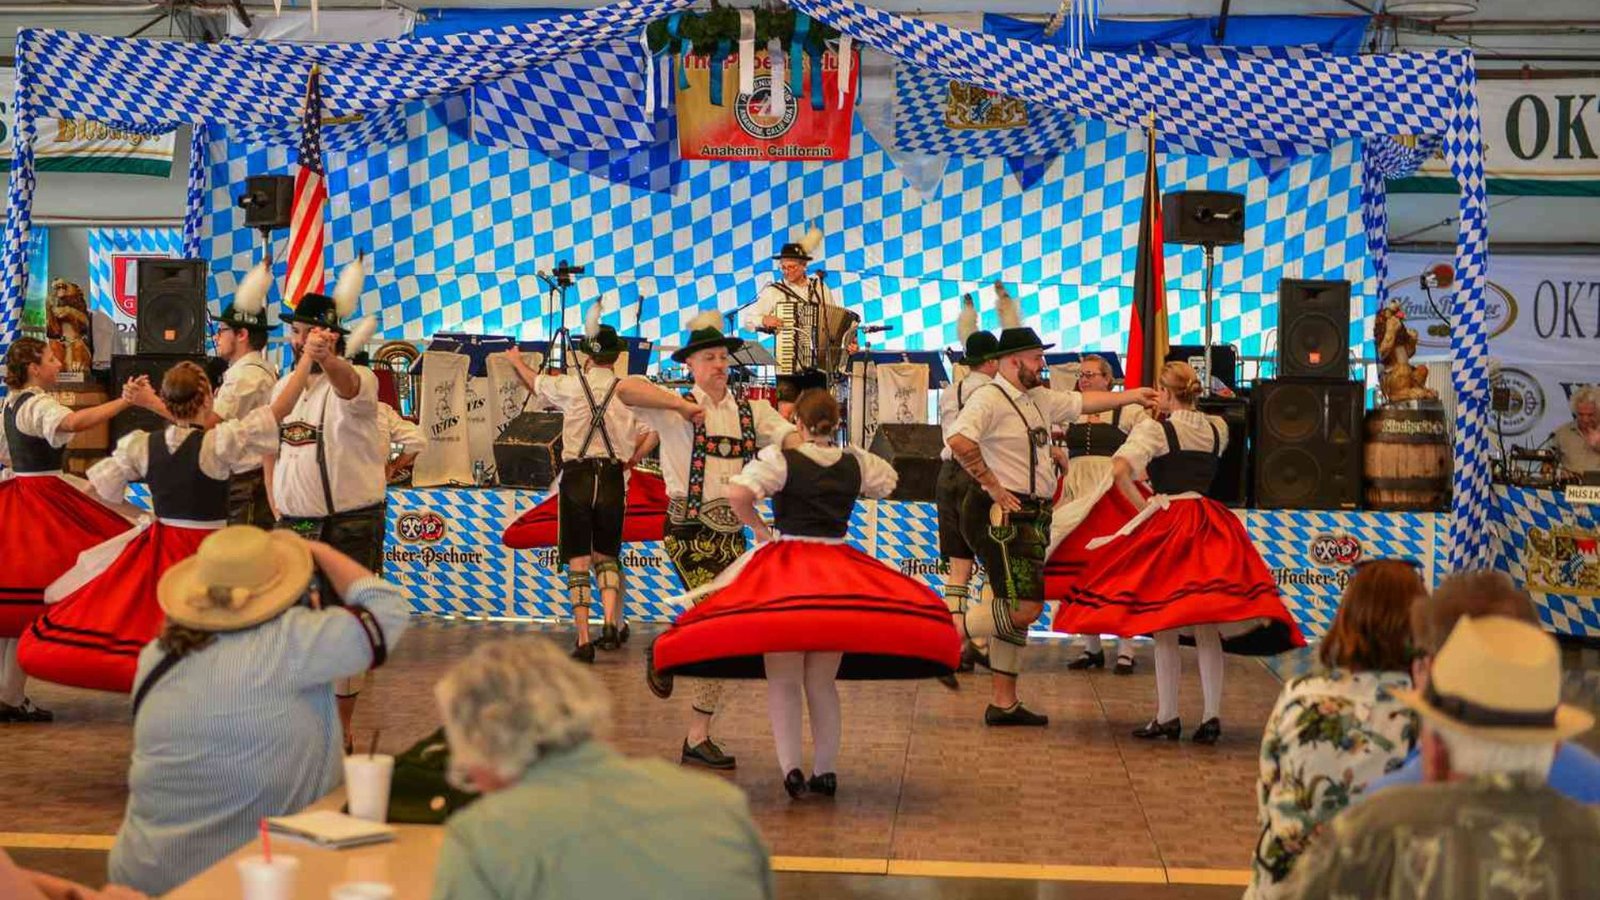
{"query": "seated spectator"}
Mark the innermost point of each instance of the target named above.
(1576, 771)
(234, 715)
(563, 815)
(1484, 823)
(1330, 734)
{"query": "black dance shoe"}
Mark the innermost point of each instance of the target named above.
(1124, 665)
(795, 784)
(660, 683)
(609, 639)
(971, 656)
(622, 633)
(707, 754)
(26, 712)
(1208, 732)
(1172, 730)
(1017, 715)
(949, 680)
(826, 784)
(1088, 661)
(583, 653)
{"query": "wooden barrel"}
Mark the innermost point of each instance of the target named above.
(1407, 459)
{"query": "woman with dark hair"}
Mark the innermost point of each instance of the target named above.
(1334, 733)
(805, 608)
(46, 518)
(103, 611)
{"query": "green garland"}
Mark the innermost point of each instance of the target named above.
(702, 31)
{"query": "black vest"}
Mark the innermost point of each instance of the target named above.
(1183, 470)
(817, 500)
(178, 487)
(1096, 438)
(29, 453)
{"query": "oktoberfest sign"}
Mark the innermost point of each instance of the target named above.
(79, 145)
(795, 116)
(1540, 137)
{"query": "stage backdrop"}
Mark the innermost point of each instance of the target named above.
(457, 231)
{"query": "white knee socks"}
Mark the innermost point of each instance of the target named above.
(12, 678)
(822, 700)
(1092, 644)
(1208, 640)
(1169, 666)
(991, 618)
(786, 674)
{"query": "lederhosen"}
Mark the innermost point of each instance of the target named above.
(1179, 470)
(1013, 553)
(247, 492)
(950, 494)
(703, 538)
(29, 453)
(1096, 438)
(357, 533)
(817, 500)
(593, 493)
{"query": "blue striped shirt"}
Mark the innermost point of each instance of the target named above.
(243, 728)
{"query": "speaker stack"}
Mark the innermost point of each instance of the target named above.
(913, 450)
(152, 366)
(528, 451)
(172, 306)
(1309, 419)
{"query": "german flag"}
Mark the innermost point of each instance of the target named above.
(1147, 327)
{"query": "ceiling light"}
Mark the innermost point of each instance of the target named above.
(1431, 9)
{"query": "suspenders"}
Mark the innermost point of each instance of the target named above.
(597, 413)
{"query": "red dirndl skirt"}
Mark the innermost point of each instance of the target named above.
(799, 596)
(45, 523)
(644, 519)
(91, 638)
(1190, 563)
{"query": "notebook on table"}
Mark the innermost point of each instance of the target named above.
(330, 829)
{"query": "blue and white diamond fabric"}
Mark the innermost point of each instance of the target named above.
(593, 100)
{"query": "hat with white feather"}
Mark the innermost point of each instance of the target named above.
(803, 249)
(705, 332)
(249, 306)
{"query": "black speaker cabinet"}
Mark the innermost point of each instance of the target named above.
(1314, 329)
(268, 201)
(528, 451)
(913, 450)
(153, 367)
(1308, 443)
(172, 306)
(1224, 359)
(1203, 217)
(1232, 484)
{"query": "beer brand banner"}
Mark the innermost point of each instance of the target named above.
(717, 121)
(1540, 136)
(79, 145)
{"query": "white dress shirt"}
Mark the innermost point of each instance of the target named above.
(230, 448)
(772, 295)
(953, 400)
(1148, 439)
(565, 392)
(769, 471)
(1124, 417)
(356, 449)
(246, 386)
(399, 430)
(990, 421)
(41, 418)
(722, 418)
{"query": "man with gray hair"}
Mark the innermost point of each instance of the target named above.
(562, 814)
(1578, 441)
(1485, 823)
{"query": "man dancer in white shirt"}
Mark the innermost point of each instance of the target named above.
(955, 484)
(247, 385)
(704, 534)
(1002, 439)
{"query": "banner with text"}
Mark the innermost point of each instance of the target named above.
(717, 121)
(1540, 136)
(79, 145)
(1543, 317)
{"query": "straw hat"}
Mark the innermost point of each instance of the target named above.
(1499, 678)
(241, 576)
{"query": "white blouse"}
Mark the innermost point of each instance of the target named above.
(1148, 439)
(769, 471)
(41, 419)
(234, 446)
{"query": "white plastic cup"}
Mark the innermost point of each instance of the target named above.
(263, 880)
(366, 785)
(362, 890)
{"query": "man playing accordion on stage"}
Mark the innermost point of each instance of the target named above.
(800, 310)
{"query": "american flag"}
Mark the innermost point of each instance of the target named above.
(310, 196)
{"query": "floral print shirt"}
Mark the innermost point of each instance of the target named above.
(1329, 736)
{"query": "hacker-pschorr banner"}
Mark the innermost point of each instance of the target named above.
(79, 145)
(1539, 137)
(1543, 317)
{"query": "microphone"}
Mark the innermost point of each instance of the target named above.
(876, 329)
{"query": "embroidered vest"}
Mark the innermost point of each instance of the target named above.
(742, 447)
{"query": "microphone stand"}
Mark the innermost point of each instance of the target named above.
(1211, 261)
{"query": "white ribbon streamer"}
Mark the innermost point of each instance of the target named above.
(649, 76)
(846, 54)
(747, 52)
(777, 100)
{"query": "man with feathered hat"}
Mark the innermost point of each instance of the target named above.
(597, 437)
(810, 296)
(247, 385)
(704, 534)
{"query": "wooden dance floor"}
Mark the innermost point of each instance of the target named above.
(926, 792)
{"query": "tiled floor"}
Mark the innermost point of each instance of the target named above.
(921, 779)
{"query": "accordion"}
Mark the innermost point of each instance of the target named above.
(813, 334)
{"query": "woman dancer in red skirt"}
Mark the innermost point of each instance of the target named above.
(807, 608)
(1136, 562)
(46, 518)
(103, 611)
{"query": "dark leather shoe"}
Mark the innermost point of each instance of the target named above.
(706, 754)
(660, 683)
(622, 633)
(609, 639)
(826, 784)
(949, 681)
(1017, 715)
(583, 653)
(971, 656)
(795, 784)
(1208, 732)
(26, 712)
(1172, 730)
(1124, 666)
(1088, 661)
